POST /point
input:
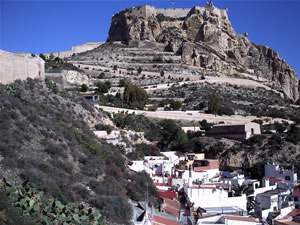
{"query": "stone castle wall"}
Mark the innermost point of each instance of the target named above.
(146, 11)
(174, 13)
(20, 66)
(76, 49)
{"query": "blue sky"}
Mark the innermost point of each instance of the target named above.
(43, 26)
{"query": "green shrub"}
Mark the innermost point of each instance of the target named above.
(134, 96)
(103, 87)
(84, 88)
(108, 128)
(139, 70)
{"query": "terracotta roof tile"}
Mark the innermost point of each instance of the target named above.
(295, 212)
(174, 204)
(241, 218)
(171, 210)
(158, 220)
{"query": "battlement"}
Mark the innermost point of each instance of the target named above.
(146, 11)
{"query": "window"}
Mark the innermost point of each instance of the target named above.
(297, 206)
(287, 178)
(252, 131)
(296, 199)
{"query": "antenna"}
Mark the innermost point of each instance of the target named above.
(172, 4)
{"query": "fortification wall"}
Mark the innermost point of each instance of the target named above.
(175, 13)
(76, 49)
(144, 11)
(222, 13)
(85, 47)
(20, 66)
(61, 54)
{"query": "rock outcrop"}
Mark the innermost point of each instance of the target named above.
(204, 37)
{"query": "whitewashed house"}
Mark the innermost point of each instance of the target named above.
(215, 198)
(296, 196)
(288, 177)
(227, 220)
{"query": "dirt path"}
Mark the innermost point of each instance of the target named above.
(189, 115)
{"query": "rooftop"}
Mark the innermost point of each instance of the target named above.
(241, 218)
(295, 212)
(273, 192)
(158, 220)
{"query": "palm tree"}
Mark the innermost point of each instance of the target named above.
(241, 189)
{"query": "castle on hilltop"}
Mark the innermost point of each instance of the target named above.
(146, 11)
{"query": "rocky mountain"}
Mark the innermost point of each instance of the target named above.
(203, 37)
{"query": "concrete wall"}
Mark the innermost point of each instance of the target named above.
(20, 66)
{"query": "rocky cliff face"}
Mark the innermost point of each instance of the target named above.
(204, 37)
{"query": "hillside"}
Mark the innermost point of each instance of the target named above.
(202, 37)
(190, 56)
(47, 138)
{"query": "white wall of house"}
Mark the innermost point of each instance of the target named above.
(137, 165)
(287, 176)
(204, 176)
(209, 198)
(267, 187)
(235, 222)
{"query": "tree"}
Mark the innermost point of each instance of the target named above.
(241, 189)
(103, 87)
(175, 105)
(204, 125)
(139, 70)
(172, 136)
(122, 83)
(134, 96)
(214, 105)
(84, 88)
(102, 75)
(51, 57)
(43, 56)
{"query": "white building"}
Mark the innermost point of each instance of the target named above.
(296, 196)
(288, 177)
(271, 201)
(215, 196)
(227, 220)
(235, 131)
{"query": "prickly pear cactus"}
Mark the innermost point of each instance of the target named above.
(27, 198)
